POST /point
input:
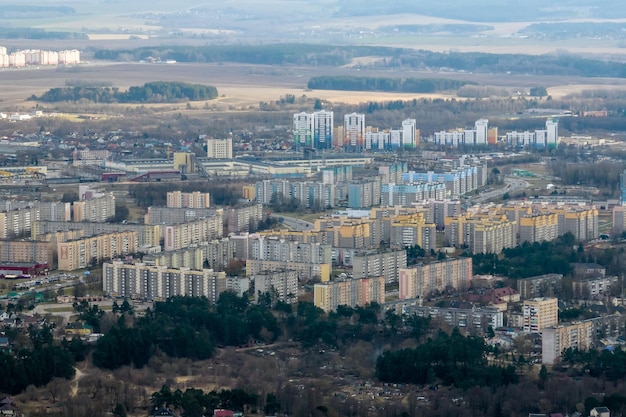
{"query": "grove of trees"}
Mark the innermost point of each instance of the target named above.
(400, 85)
(153, 92)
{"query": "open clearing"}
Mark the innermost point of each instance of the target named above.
(243, 86)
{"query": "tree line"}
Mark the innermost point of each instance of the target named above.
(280, 54)
(452, 359)
(153, 92)
(195, 402)
(156, 194)
(38, 363)
(531, 259)
(334, 55)
(400, 85)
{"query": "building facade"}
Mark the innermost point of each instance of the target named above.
(539, 313)
(84, 252)
(140, 281)
(422, 280)
(352, 293)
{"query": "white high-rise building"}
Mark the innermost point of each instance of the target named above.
(323, 129)
(302, 130)
(552, 126)
(219, 148)
(482, 127)
(409, 136)
(354, 131)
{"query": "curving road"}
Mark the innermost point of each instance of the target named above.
(294, 223)
(512, 184)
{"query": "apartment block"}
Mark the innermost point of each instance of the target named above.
(275, 248)
(17, 222)
(472, 320)
(540, 286)
(555, 340)
(538, 227)
(305, 270)
(364, 193)
(183, 235)
(385, 264)
(353, 132)
(244, 218)
(176, 215)
(195, 199)
(220, 148)
(215, 255)
(96, 209)
(27, 251)
(423, 280)
(147, 235)
(540, 313)
(594, 287)
(308, 193)
(55, 211)
(409, 194)
(313, 130)
(159, 282)
(282, 283)
(482, 234)
(352, 293)
(81, 253)
(412, 229)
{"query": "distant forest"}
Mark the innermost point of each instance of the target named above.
(487, 10)
(154, 92)
(400, 85)
(20, 11)
(396, 58)
(35, 33)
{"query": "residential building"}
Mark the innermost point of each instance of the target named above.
(219, 148)
(354, 132)
(55, 211)
(15, 223)
(547, 285)
(422, 280)
(352, 293)
(39, 252)
(183, 235)
(386, 264)
(538, 227)
(594, 287)
(172, 215)
(409, 194)
(555, 339)
(364, 193)
(410, 230)
(548, 137)
(244, 218)
(97, 209)
(284, 284)
(215, 255)
(142, 281)
(392, 174)
(480, 233)
(147, 235)
(470, 319)
(84, 252)
(195, 199)
(306, 271)
(540, 313)
(313, 130)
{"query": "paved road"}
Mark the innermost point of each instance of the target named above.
(511, 185)
(293, 223)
